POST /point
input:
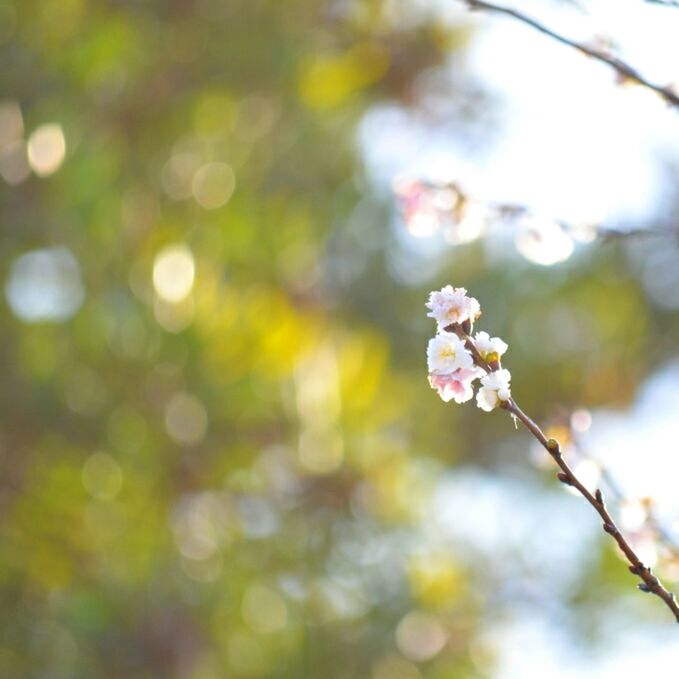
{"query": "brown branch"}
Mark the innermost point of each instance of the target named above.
(650, 583)
(624, 71)
(567, 476)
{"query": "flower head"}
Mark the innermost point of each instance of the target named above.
(451, 305)
(494, 390)
(446, 353)
(456, 385)
(487, 345)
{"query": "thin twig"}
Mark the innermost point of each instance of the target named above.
(650, 583)
(624, 70)
(504, 212)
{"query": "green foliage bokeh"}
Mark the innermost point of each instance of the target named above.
(223, 485)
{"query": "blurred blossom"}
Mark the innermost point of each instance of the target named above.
(173, 273)
(46, 149)
(213, 184)
(542, 241)
(585, 232)
(421, 205)
(423, 223)
(14, 166)
(581, 420)
(102, 476)
(633, 515)
(44, 285)
(426, 208)
(186, 419)
(11, 121)
(445, 199)
(420, 636)
(472, 222)
(264, 609)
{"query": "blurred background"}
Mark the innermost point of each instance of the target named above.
(219, 453)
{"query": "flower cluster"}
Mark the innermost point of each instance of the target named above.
(455, 359)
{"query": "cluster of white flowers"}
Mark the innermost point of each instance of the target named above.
(452, 366)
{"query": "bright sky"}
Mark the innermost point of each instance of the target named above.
(572, 144)
(576, 144)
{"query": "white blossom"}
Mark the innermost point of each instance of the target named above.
(446, 353)
(457, 385)
(487, 345)
(451, 305)
(494, 390)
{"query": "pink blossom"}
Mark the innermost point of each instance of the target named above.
(455, 386)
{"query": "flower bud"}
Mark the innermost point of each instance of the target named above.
(553, 446)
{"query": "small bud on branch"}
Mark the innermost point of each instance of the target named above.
(553, 446)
